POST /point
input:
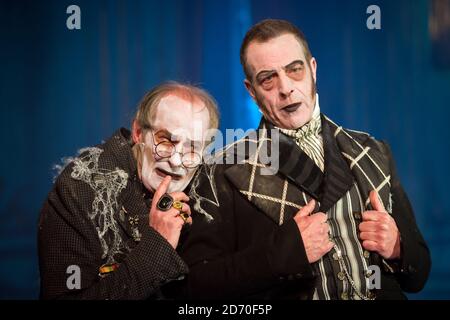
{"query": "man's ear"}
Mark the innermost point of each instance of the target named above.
(313, 64)
(250, 89)
(137, 132)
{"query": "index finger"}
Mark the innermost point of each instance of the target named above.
(307, 209)
(162, 188)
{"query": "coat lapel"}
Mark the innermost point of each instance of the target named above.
(338, 178)
(279, 196)
(133, 201)
(298, 168)
(298, 180)
(368, 161)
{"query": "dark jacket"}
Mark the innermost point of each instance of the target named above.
(252, 248)
(96, 215)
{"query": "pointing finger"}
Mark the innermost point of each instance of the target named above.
(162, 188)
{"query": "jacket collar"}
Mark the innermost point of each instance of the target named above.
(298, 179)
(338, 177)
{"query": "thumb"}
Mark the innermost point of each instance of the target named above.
(308, 209)
(375, 201)
(162, 188)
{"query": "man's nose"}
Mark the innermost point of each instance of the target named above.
(286, 87)
(175, 159)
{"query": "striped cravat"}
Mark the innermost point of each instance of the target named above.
(309, 138)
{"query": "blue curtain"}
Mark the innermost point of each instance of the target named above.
(63, 89)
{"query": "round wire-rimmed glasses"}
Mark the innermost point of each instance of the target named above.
(166, 149)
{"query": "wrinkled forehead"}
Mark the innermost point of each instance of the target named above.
(184, 118)
(274, 53)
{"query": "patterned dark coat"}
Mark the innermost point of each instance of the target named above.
(96, 215)
(244, 242)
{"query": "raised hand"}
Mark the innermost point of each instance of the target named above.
(169, 223)
(378, 231)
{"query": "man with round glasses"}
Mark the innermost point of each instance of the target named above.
(110, 226)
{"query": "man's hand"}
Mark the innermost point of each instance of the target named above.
(169, 223)
(314, 231)
(379, 231)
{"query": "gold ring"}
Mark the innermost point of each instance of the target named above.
(177, 205)
(184, 216)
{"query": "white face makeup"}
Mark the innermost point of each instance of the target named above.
(283, 83)
(182, 123)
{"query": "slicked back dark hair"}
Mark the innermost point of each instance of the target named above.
(266, 30)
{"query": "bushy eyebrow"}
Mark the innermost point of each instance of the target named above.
(170, 135)
(265, 73)
(293, 63)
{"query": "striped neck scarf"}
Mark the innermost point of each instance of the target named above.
(308, 137)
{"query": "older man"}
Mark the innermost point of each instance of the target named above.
(332, 223)
(110, 226)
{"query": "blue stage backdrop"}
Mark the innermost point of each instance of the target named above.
(63, 89)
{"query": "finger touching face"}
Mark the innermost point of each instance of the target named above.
(182, 123)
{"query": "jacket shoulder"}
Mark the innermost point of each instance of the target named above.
(367, 140)
(363, 138)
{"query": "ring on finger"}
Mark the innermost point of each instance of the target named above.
(184, 216)
(177, 205)
(165, 202)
